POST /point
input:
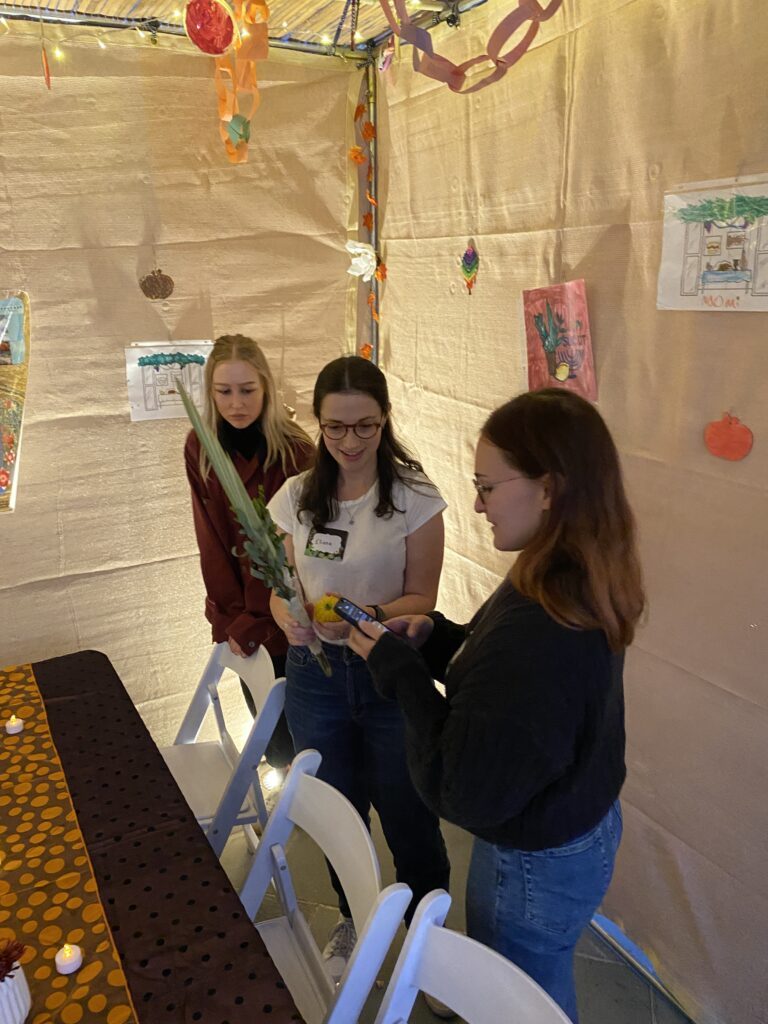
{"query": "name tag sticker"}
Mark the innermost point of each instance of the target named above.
(326, 543)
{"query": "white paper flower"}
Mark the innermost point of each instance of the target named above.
(363, 260)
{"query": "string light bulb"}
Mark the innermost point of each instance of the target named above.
(139, 33)
(326, 40)
(58, 53)
(3, 22)
(102, 44)
(245, 34)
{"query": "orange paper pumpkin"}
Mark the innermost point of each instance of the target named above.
(728, 438)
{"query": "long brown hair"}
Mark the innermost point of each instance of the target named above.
(345, 375)
(280, 432)
(581, 565)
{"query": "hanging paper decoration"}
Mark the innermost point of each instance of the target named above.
(366, 350)
(356, 155)
(728, 438)
(46, 66)
(359, 111)
(238, 36)
(433, 65)
(363, 260)
(386, 55)
(210, 24)
(157, 285)
(470, 264)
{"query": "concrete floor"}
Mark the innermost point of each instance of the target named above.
(609, 990)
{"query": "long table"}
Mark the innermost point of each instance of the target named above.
(101, 849)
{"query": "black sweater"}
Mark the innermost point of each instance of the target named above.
(527, 748)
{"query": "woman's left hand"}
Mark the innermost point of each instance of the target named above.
(364, 637)
(332, 630)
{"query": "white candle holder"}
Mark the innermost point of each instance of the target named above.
(69, 959)
(14, 725)
(15, 998)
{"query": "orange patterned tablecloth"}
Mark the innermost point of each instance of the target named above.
(48, 893)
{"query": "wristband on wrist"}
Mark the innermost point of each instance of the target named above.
(378, 613)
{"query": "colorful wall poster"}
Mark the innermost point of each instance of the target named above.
(14, 372)
(155, 369)
(715, 248)
(558, 338)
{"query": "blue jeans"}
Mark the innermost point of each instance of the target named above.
(361, 738)
(532, 906)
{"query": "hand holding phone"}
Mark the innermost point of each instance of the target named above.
(353, 613)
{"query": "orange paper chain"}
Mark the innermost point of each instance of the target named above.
(235, 74)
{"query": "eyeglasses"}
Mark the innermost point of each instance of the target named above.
(485, 489)
(336, 431)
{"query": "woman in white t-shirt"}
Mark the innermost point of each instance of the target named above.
(365, 523)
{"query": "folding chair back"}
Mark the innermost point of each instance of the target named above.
(482, 986)
(334, 824)
(220, 782)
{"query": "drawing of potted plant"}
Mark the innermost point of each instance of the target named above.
(552, 333)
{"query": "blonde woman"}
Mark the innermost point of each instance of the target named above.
(266, 448)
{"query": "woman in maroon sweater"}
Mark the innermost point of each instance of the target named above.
(266, 447)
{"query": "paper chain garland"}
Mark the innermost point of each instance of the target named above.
(433, 65)
(237, 35)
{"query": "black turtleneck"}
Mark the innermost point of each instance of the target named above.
(249, 441)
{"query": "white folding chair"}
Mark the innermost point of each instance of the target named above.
(334, 824)
(482, 986)
(219, 782)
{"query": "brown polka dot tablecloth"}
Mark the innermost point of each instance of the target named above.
(99, 848)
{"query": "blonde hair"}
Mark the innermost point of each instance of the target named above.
(280, 432)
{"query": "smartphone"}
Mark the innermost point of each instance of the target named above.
(351, 612)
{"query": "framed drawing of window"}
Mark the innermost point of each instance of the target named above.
(14, 371)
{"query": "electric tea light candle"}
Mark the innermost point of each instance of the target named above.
(68, 959)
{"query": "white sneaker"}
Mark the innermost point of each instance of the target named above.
(338, 949)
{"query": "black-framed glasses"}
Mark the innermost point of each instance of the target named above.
(483, 490)
(336, 431)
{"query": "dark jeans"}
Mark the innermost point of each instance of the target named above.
(279, 752)
(532, 906)
(361, 738)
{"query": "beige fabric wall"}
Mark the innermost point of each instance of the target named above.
(118, 166)
(557, 173)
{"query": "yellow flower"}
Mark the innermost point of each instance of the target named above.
(325, 609)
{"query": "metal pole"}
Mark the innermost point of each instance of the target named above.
(373, 189)
(152, 26)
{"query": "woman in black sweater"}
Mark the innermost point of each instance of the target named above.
(526, 750)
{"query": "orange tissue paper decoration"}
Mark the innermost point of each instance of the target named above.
(368, 220)
(210, 24)
(728, 438)
(369, 131)
(235, 77)
(46, 66)
(359, 111)
(356, 155)
(381, 271)
(366, 350)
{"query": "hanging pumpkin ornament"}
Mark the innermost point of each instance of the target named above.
(210, 25)
(728, 438)
(470, 264)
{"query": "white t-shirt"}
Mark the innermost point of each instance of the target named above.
(359, 555)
